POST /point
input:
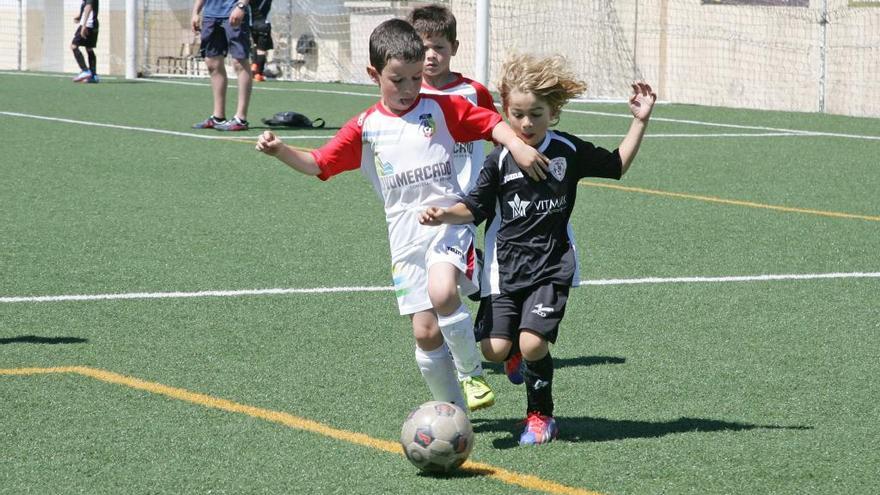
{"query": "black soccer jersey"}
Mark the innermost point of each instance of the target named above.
(529, 243)
(92, 21)
(260, 9)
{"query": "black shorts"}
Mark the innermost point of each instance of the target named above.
(89, 41)
(261, 32)
(220, 39)
(539, 310)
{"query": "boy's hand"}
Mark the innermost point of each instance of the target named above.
(76, 19)
(196, 22)
(269, 143)
(431, 216)
(84, 32)
(530, 160)
(641, 103)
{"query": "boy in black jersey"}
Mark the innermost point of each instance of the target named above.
(530, 255)
(261, 30)
(86, 36)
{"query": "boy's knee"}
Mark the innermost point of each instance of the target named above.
(495, 351)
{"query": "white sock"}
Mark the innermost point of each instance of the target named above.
(458, 331)
(439, 373)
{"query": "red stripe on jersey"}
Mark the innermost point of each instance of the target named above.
(471, 262)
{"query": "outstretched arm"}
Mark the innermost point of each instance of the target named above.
(641, 103)
(298, 160)
(455, 214)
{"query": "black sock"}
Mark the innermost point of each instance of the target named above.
(538, 376)
(93, 61)
(260, 60)
(80, 60)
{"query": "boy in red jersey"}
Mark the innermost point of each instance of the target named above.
(404, 145)
(438, 28)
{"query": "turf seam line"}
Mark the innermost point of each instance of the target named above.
(732, 202)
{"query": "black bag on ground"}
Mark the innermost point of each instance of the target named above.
(293, 119)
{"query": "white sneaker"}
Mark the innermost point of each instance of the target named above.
(83, 76)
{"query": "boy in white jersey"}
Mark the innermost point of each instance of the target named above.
(404, 146)
(438, 28)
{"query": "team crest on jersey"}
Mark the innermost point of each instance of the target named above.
(557, 167)
(427, 125)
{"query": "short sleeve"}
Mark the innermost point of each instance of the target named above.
(466, 121)
(595, 161)
(342, 152)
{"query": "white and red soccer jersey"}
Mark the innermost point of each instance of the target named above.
(408, 158)
(467, 157)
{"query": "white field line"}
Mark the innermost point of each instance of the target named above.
(731, 126)
(773, 131)
(324, 290)
(238, 137)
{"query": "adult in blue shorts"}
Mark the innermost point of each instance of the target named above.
(225, 30)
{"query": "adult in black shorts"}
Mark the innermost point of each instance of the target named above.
(225, 30)
(261, 30)
(86, 36)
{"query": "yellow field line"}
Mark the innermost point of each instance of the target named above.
(713, 199)
(503, 475)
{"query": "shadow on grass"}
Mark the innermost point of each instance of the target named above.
(34, 339)
(586, 429)
(498, 368)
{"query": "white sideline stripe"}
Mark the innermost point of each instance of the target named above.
(732, 126)
(115, 126)
(307, 137)
(784, 132)
(324, 290)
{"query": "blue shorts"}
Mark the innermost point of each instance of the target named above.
(219, 39)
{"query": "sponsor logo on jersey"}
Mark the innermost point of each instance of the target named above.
(427, 125)
(542, 310)
(436, 172)
(551, 205)
(518, 206)
(463, 148)
(454, 250)
(557, 167)
(382, 168)
(510, 177)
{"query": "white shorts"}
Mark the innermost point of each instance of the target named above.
(409, 266)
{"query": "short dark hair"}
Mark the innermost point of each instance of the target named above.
(432, 20)
(397, 39)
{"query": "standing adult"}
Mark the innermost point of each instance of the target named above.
(225, 30)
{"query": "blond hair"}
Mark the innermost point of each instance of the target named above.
(549, 78)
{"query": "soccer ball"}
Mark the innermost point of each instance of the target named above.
(437, 437)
